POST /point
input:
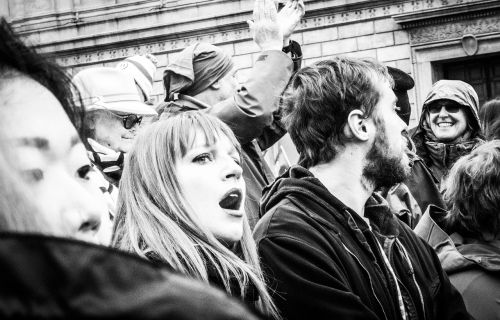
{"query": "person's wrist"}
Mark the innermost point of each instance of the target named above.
(277, 45)
(287, 47)
(286, 42)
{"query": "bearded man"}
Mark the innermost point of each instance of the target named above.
(332, 246)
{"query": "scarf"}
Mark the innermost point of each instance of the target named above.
(108, 161)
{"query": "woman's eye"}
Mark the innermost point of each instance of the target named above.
(83, 172)
(32, 175)
(238, 161)
(203, 158)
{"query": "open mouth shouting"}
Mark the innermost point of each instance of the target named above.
(232, 201)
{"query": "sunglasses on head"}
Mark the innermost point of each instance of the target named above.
(129, 120)
(450, 107)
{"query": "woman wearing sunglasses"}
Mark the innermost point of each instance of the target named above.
(114, 112)
(449, 126)
(181, 203)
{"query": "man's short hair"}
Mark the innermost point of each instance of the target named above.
(473, 192)
(320, 97)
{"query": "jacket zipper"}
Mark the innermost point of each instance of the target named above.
(408, 261)
(369, 278)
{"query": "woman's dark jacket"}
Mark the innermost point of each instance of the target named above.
(49, 277)
(323, 260)
(473, 265)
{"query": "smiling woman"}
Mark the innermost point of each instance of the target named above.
(449, 126)
(181, 203)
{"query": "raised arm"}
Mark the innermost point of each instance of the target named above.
(251, 108)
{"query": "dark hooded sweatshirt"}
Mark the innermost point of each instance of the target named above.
(324, 262)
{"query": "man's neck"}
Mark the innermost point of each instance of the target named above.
(343, 177)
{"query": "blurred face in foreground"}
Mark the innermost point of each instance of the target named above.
(211, 181)
(51, 159)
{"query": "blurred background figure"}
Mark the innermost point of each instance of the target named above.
(467, 237)
(202, 78)
(142, 68)
(46, 152)
(47, 199)
(181, 203)
(449, 126)
(490, 119)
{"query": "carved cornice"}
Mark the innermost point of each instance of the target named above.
(446, 14)
(454, 30)
(168, 38)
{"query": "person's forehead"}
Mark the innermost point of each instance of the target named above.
(31, 111)
(221, 140)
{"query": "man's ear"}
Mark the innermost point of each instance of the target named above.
(357, 126)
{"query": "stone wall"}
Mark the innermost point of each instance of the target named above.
(412, 35)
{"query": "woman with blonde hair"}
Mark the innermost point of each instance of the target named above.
(181, 203)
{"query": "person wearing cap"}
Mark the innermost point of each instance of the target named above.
(202, 78)
(412, 197)
(449, 126)
(114, 111)
(142, 68)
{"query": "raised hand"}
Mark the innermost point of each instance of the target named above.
(267, 32)
(289, 17)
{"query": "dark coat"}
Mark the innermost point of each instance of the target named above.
(324, 260)
(473, 265)
(49, 277)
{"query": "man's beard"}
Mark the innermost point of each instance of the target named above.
(382, 169)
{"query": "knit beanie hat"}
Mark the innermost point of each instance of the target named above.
(142, 68)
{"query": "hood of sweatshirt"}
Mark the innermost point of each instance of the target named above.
(298, 183)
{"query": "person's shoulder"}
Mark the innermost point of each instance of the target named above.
(284, 218)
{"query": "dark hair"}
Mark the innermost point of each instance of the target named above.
(473, 192)
(489, 115)
(16, 57)
(320, 97)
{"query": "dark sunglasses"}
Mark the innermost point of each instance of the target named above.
(451, 107)
(129, 120)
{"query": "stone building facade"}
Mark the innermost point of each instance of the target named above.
(429, 39)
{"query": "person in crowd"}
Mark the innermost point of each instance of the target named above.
(467, 237)
(142, 68)
(411, 198)
(202, 78)
(49, 155)
(449, 126)
(181, 203)
(114, 111)
(333, 247)
(489, 115)
(47, 198)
